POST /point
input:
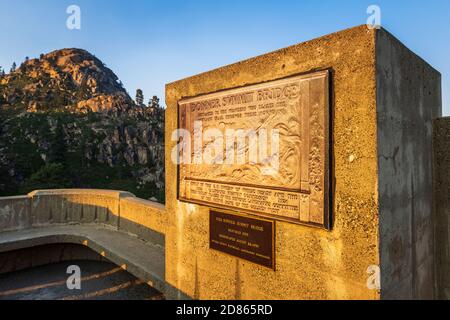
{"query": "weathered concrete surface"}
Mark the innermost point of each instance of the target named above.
(383, 101)
(311, 263)
(84, 206)
(15, 213)
(141, 217)
(409, 99)
(442, 205)
(117, 209)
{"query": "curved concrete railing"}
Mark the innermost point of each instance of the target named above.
(117, 209)
(117, 225)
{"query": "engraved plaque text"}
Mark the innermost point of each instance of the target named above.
(261, 149)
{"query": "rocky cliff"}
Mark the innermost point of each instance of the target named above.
(66, 121)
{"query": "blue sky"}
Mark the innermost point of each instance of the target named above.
(149, 43)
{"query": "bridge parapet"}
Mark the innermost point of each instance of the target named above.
(76, 206)
(15, 213)
(118, 226)
(117, 209)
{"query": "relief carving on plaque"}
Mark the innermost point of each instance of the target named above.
(260, 149)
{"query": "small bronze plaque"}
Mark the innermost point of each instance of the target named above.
(243, 237)
(261, 149)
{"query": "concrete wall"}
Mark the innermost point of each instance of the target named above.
(442, 205)
(142, 217)
(408, 98)
(116, 209)
(311, 263)
(15, 213)
(71, 206)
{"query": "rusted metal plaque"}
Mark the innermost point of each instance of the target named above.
(261, 149)
(243, 237)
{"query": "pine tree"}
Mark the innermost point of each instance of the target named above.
(13, 67)
(139, 97)
(23, 66)
(154, 102)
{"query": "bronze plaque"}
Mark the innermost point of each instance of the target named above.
(261, 149)
(243, 237)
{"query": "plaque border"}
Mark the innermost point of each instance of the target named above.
(328, 182)
(248, 216)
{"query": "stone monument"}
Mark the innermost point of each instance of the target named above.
(305, 173)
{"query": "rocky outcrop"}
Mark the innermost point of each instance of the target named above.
(62, 79)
